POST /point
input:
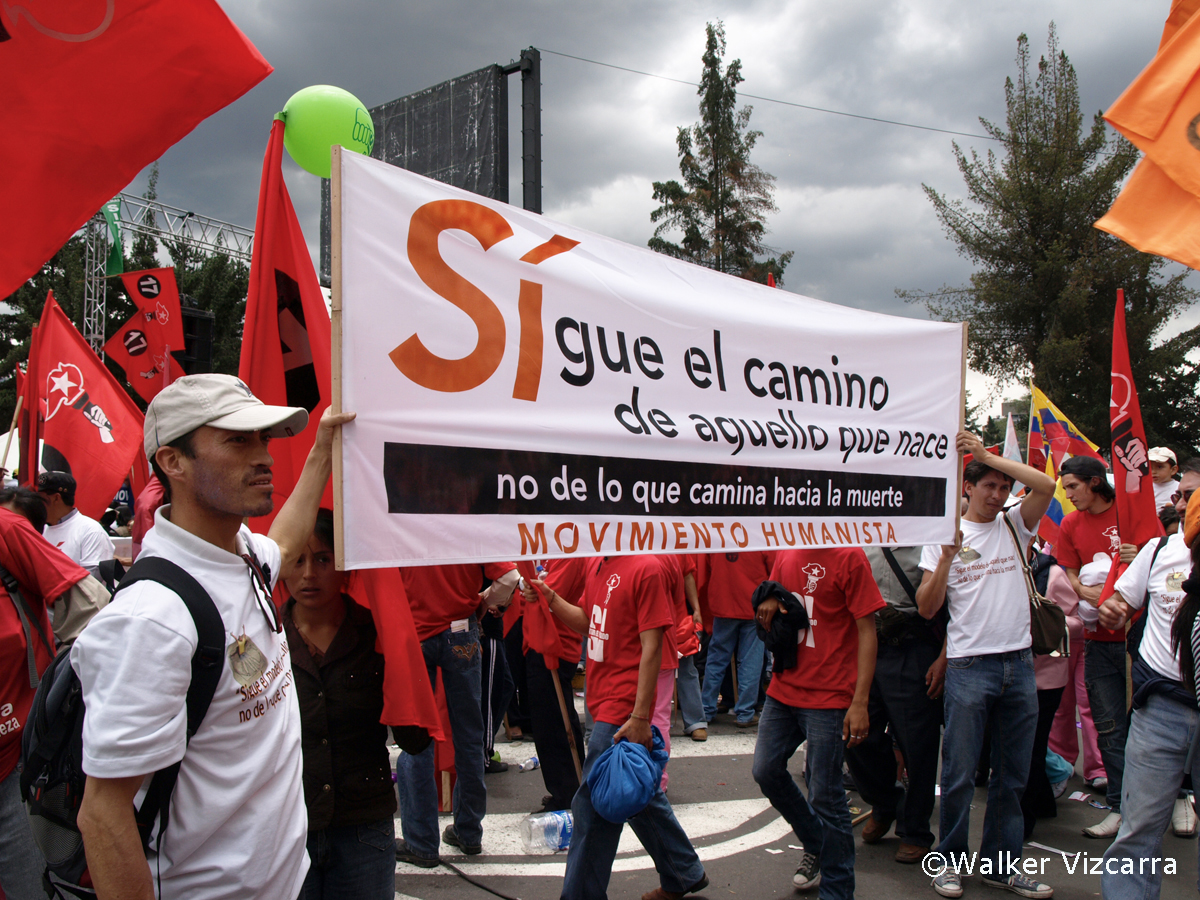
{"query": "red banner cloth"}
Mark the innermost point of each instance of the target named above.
(142, 346)
(286, 341)
(92, 428)
(95, 92)
(407, 695)
(1137, 514)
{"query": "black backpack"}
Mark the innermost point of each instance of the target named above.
(52, 778)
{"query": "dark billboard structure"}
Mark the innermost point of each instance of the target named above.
(457, 132)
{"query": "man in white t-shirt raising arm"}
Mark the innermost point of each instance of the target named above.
(81, 538)
(989, 666)
(1164, 711)
(237, 825)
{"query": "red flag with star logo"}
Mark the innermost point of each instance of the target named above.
(92, 428)
(143, 345)
(65, 151)
(286, 341)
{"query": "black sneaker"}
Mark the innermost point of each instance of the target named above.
(450, 836)
(405, 854)
(492, 766)
(808, 874)
(549, 804)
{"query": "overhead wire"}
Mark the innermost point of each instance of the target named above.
(805, 106)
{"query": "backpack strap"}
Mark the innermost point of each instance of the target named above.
(26, 616)
(206, 672)
(898, 571)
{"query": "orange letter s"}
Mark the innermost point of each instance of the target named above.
(412, 357)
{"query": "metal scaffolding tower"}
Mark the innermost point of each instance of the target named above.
(162, 222)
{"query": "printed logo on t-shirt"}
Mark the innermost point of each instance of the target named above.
(246, 661)
(1114, 539)
(1175, 581)
(815, 572)
(598, 627)
(966, 554)
(805, 635)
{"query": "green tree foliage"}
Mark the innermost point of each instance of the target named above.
(1041, 300)
(721, 207)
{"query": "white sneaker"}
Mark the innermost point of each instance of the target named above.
(1059, 788)
(1183, 818)
(1106, 828)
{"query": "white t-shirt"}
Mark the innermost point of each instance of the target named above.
(82, 539)
(1163, 493)
(238, 822)
(1166, 578)
(985, 591)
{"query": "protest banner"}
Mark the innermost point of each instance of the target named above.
(525, 389)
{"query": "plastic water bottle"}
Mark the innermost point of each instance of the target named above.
(546, 832)
(529, 765)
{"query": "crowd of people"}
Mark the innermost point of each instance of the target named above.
(909, 668)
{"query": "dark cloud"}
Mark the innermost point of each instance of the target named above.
(849, 191)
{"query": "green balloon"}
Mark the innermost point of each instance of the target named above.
(318, 117)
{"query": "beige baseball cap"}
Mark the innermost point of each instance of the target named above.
(221, 401)
(1162, 454)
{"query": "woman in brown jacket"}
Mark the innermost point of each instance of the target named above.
(347, 778)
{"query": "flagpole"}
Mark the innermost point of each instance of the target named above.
(335, 324)
(12, 428)
(562, 706)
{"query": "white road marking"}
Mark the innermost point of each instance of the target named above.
(698, 820)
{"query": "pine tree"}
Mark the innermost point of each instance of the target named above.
(1041, 301)
(721, 207)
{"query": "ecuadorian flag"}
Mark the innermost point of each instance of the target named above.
(1053, 439)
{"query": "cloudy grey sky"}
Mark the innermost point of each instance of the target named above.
(849, 191)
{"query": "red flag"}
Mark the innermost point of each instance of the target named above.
(1137, 515)
(143, 345)
(770, 279)
(539, 629)
(95, 92)
(286, 339)
(407, 695)
(92, 428)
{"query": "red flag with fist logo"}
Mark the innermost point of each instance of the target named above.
(92, 428)
(286, 341)
(143, 345)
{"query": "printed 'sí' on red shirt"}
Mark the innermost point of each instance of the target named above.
(624, 596)
(836, 588)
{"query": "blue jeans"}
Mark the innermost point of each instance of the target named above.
(1104, 677)
(352, 862)
(822, 821)
(1159, 739)
(457, 654)
(691, 707)
(21, 862)
(728, 635)
(594, 840)
(997, 690)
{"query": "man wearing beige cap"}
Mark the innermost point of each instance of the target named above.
(237, 823)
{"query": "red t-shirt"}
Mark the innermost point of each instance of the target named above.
(683, 639)
(1082, 537)
(732, 580)
(836, 588)
(438, 595)
(566, 577)
(686, 635)
(150, 499)
(624, 596)
(43, 572)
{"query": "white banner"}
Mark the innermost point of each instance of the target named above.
(527, 389)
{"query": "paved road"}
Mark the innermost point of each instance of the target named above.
(747, 849)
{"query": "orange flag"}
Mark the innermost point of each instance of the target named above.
(1158, 211)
